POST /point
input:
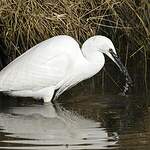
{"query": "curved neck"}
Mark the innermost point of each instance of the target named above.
(95, 59)
(88, 49)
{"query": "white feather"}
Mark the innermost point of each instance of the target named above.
(57, 63)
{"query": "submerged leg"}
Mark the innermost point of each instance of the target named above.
(45, 93)
(49, 94)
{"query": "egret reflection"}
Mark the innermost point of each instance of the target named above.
(50, 125)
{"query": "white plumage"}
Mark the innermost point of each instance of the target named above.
(56, 63)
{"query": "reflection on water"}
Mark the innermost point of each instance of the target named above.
(89, 122)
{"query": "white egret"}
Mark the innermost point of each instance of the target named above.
(56, 64)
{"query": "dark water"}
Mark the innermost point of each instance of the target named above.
(82, 122)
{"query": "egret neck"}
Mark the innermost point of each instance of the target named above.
(94, 58)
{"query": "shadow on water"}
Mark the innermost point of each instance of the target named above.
(83, 122)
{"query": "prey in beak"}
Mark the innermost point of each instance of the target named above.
(123, 69)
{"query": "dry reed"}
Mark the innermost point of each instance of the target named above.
(24, 23)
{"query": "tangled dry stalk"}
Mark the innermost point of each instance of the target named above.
(24, 23)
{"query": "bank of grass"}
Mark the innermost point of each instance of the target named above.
(24, 23)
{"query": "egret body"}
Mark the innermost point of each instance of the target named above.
(56, 64)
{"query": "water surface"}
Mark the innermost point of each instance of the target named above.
(81, 122)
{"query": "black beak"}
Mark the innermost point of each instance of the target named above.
(123, 69)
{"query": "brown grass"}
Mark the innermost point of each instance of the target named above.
(24, 23)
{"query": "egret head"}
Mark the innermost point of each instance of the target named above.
(105, 45)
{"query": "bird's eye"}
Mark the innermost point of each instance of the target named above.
(110, 50)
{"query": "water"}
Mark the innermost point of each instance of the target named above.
(81, 122)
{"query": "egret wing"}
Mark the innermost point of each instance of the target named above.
(33, 71)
